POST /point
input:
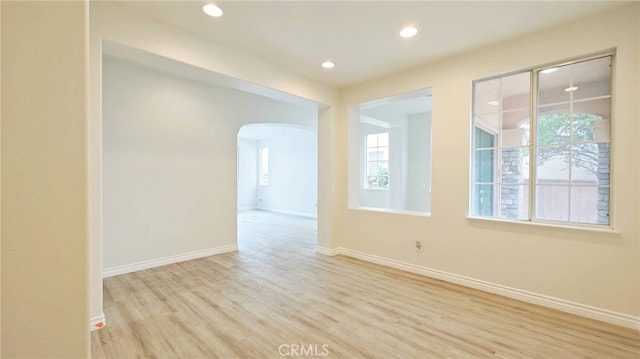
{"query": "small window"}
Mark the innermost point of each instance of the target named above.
(264, 166)
(377, 165)
(560, 171)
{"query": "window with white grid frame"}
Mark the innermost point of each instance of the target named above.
(559, 136)
(377, 161)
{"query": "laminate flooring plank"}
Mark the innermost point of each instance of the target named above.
(276, 293)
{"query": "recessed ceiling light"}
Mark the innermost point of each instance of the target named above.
(212, 10)
(494, 103)
(548, 71)
(571, 89)
(328, 64)
(408, 32)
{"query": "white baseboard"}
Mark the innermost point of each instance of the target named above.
(583, 310)
(128, 268)
(328, 251)
(98, 322)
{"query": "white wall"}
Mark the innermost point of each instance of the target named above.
(409, 161)
(247, 174)
(419, 162)
(44, 180)
(169, 161)
(293, 172)
(598, 272)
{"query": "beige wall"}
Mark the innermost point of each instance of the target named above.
(44, 264)
(44, 180)
(590, 269)
(0, 179)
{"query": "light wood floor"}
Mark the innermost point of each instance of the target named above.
(276, 293)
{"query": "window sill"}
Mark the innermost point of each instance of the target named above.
(392, 211)
(562, 226)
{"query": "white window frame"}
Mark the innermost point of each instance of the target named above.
(533, 149)
(366, 161)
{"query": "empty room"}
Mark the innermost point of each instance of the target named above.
(263, 179)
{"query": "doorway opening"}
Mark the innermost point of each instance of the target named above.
(164, 156)
(277, 173)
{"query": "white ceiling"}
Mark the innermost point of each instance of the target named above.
(398, 107)
(362, 37)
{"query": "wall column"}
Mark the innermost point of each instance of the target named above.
(44, 180)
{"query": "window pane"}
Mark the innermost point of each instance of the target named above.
(553, 125)
(484, 165)
(552, 203)
(372, 182)
(483, 138)
(487, 96)
(584, 204)
(582, 128)
(483, 200)
(383, 139)
(512, 161)
(383, 182)
(515, 128)
(593, 78)
(552, 85)
(552, 164)
(603, 205)
(585, 113)
(603, 171)
(488, 122)
(515, 92)
(372, 169)
(514, 202)
(372, 154)
(584, 163)
(372, 140)
(383, 153)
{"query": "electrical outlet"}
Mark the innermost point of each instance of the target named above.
(419, 246)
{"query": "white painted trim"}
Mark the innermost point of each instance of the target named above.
(606, 230)
(292, 213)
(608, 316)
(128, 268)
(327, 251)
(98, 322)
